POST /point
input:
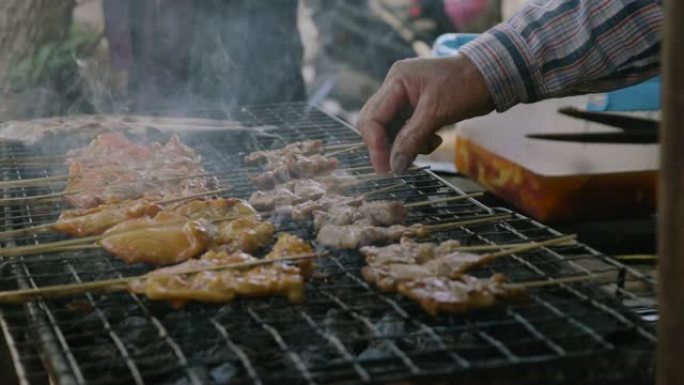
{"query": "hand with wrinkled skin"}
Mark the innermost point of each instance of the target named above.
(433, 93)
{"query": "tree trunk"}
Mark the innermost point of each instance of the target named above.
(25, 25)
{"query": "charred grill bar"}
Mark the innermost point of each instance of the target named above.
(345, 331)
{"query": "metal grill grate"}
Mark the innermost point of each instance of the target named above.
(346, 331)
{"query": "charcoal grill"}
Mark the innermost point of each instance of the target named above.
(346, 332)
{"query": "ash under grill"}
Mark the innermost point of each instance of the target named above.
(345, 331)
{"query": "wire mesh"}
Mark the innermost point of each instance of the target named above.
(345, 331)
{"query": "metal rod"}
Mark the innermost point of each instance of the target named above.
(671, 202)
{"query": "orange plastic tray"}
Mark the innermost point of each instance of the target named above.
(558, 198)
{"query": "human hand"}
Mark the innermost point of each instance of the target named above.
(431, 93)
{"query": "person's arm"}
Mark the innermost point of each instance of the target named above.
(565, 47)
(549, 48)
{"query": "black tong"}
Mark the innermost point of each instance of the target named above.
(634, 130)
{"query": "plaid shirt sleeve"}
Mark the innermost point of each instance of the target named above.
(553, 48)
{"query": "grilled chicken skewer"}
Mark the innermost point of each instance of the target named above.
(306, 147)
(168, 237)
(111, 169)
(86, 222)
(277, 278)
(217, 276)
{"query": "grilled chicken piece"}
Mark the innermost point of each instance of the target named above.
(277, 278)
(307, 147)
(376, 213)
(219, 207)
(165, 239)
(247, 234)
(295, 167)
(84, 222)
(112, 169)
(443, 295)
(363, 234)
(94, 221)
(107, 150)
(89, 188)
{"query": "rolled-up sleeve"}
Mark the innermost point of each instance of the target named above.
(553, 48)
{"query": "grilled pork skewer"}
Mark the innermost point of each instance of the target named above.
(306, 147)
(294, 167)
(408, 260)
(218, 276)
(466, 293)
(362, 234)
(435, 275)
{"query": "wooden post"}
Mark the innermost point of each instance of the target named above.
(670, 370)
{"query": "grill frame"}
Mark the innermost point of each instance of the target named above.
(612, 363)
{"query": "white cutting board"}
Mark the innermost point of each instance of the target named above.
(504, 135)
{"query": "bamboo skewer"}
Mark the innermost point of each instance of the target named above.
(381, 190)
(502, 246)
(121, 284)
(340, 146)
(54, 197)
(556, 281)
(31, 161)
(188, 197)
(529, 247)
(448, 199)
(348, 149)
(32, 181)
(466, 222)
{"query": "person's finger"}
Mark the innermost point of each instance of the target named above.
(413, 137)
(431, 144)
(375, 118)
